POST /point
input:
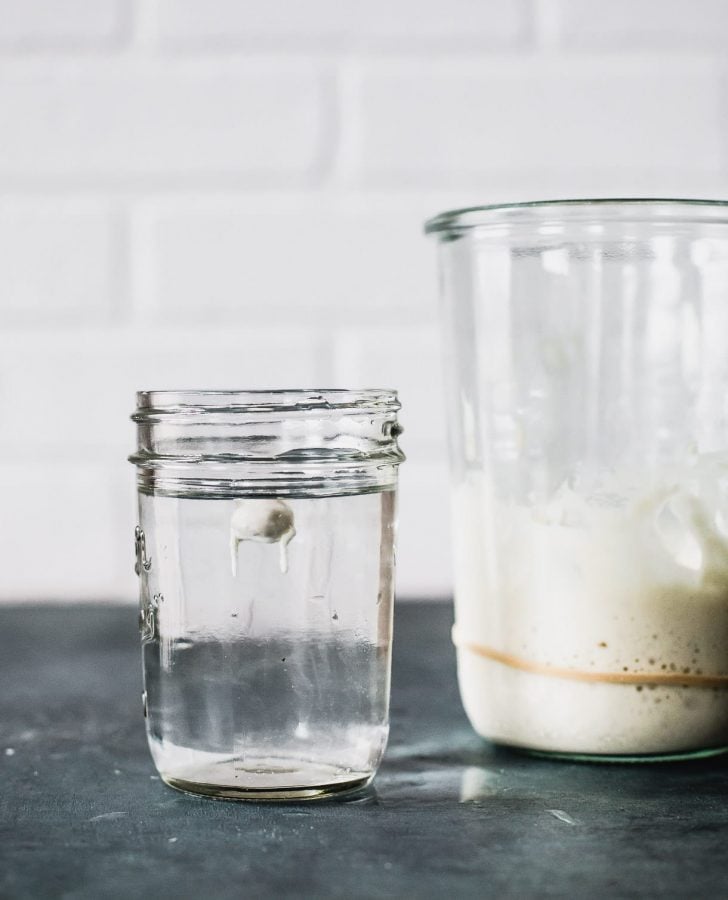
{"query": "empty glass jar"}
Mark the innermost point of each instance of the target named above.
(265, 551)
(586, 349)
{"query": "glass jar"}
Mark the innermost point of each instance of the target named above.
(586, 348)
(265, 550)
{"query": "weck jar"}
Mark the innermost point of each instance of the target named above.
(265, 552)
(586, 350)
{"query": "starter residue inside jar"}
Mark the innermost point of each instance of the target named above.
(267, 521)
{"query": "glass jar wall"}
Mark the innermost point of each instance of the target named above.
(586, 348)
(265, 554)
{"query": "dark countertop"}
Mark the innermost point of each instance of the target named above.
(83, 815)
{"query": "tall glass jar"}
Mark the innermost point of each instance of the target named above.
(265, 550)
(586, 348)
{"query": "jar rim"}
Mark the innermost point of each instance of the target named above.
(598, 209)
(153, 403)
(297, 442)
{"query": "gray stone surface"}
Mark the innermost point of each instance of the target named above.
(82, 814)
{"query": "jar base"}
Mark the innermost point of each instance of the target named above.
(619, 758)
(256, 794)
(261, 775)
(591, 721)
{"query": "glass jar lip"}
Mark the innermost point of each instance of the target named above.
(597, 209)
(285, 400)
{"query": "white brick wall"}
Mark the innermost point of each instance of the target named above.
(626, 24)
(258, 258)
(61, 262)
(33, 24)
(62, 530)
(231, 193)
(443, 121)
(132, 119)
(360, 23)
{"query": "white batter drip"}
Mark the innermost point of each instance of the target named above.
(625, 580)
(266, 520)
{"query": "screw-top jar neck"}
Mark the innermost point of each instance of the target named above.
(293, 442)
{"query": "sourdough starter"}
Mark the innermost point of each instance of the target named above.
(627, 581)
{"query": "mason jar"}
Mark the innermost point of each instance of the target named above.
(265, 552)
(586, 350)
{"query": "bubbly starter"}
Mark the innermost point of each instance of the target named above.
(596, 622)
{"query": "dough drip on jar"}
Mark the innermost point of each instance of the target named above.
(268, 521)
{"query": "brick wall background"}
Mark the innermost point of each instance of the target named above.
(230, 193)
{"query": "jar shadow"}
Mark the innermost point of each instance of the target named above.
(468, 772)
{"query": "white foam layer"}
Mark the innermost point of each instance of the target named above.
(629, 578)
